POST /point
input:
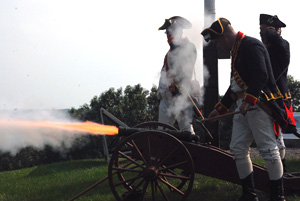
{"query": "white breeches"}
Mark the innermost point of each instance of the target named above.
(280, 142)
(255, 125)
(176, 109)
(281, 145)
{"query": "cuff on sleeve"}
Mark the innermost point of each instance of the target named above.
(221, 108)
(249, 99)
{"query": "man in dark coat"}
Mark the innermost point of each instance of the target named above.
(279, 51)
(251, 78)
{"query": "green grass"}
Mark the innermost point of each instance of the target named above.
(62, 181)
(54, 182)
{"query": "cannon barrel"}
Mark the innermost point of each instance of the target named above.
(181, 135)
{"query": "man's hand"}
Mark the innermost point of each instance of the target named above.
(213, 113)
(174, 89)
(244, 108)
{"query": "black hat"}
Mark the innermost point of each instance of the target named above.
(176, 21)
(270, 20)
(216, 29)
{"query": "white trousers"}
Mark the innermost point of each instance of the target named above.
(255, 125)
(172, 110)
(280, 142)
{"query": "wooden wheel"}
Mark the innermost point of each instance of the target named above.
(150, 164)
(151, 125)
(159, 125)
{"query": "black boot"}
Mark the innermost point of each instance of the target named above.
(277, 191)
(248, 189)
(284, 166)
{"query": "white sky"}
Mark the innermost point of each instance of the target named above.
(58, 54)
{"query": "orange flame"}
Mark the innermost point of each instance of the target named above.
(88, 127)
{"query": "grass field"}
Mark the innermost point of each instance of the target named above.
(62, 181)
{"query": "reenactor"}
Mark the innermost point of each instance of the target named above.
(251, 74)
(279, 51)
(176, 76)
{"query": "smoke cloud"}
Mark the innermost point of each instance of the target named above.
(13, 138)
(194, 35)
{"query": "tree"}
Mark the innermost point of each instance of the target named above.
(153, 104)
(294, 86)
(133, 106)
(81, 113)
(111, 100)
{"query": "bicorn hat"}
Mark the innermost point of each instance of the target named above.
(216, 29)
(271, 20)
(176, 21)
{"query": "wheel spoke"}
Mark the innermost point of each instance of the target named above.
(152, 190)
(149, 149)
(144, 189)
(173, 165)
(131, 159)
(168, 156)
(139, 152)
(170, 170)
(131, 183)
(132, 167)
(171, 186)
(129, 144)
(120, 170)
(129, 180)
(175, 176)
(134, 189)
(161, 191)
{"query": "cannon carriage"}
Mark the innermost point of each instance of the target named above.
(155, 164)
(154, 161)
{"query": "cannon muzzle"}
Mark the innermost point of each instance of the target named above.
(181, 135)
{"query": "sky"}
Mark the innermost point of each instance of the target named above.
(58, 54)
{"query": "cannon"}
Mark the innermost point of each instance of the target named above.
(181, 135)
(154, 161)
(160, 165)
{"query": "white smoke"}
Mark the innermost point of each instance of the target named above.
(194, 35)
(206, 74)
(13, 138)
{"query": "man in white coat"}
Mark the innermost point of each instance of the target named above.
(176, 75)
